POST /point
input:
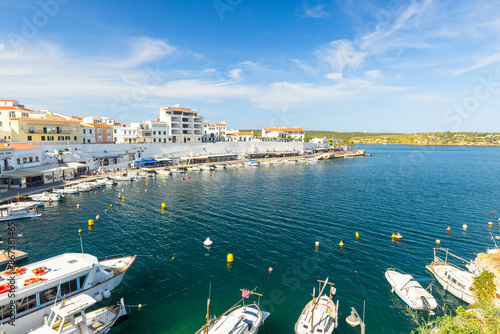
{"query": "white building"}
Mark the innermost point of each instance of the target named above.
(240, 136)
(159, 131)
(10, 109)
(214, 132)
(100, 120)
(134, 133)
(6, 158)
(26, 155)
(185, 126)
(87, 133)
(283, 133)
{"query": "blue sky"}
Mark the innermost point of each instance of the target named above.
(375, 66)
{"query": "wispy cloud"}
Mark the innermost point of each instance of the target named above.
(145, 50)
(315, 12)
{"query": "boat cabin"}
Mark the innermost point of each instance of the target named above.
(70, 313)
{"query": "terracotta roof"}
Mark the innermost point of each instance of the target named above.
(102, 125)
(86, 125)
(4, 147)
(17, 108)
(232, 134)
(221, 124)
(42, 120)
(205, 122)
(158, 122)
(77, 117)
(22, 146)
(8, 100)
(245, 133)
(284, 129)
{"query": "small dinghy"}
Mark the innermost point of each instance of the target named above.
(410, 291)
(320, 315)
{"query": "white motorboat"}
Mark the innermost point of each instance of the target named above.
(193, 169)
(292, 162)
(83, 187)
(252, 164)
(220, 166)
(110, 182)
(18, 213)
(163, 172)
(453, 279)
(410, 291)
(66, 190)
(142, 175)
(265, 163)
(176, 170)
(74, 320)
(239, 319)
(120, 178)
(22, 205)
(41, 284)
(320, 315)
(231, 166)
(46, 197)
(206, 168)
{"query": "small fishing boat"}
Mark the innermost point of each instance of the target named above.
(109, 182)
(206, 168)
(83, 187)
(121, 178)
(252, 164)
(320, 315)
(11, 214)
(69, 317)
(238, 319)
(142, 175)
(22, 205)
(46, 197)
(220, 166)
(410, 291)
(265, 163)
(453, 279)
(231, 166)
(193, 169)
(163, 172)
(176, 170)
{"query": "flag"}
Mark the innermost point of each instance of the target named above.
(245, 293)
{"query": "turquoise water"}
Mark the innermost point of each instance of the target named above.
(271, 217)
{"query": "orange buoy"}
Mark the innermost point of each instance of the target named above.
(189, 177)
(491, 212)
(398, 236)
(270, 269)
(448, 229)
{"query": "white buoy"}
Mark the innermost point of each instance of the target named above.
(106, 294)
(317, 243)
(98, 297)
(464, 226)
(208, 242)
(438, 241)
(97, 217)
(78, 205)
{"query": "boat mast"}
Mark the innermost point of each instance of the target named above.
(208, 306)
(312, 312)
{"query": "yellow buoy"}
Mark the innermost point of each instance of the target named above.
(123, 200)
(393, 236)
(110, 206)
(165, 182)
(438, 241)
(146, 184)
(91, 222)
(163, 206)
(341, 244)
(80, 231)
(317, 244)
(234, 171)
(138, 192)
(357, 235)
(230, 257)
(490, 224)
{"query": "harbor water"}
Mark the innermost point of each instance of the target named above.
(272, 217)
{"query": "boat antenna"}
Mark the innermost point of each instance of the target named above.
(208, 305)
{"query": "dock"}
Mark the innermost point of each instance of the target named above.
(19, 256)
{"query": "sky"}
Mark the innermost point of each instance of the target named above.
(374, 66)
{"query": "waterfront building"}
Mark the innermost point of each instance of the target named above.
(159, 131)
(214, 132)
(43, 128)
(6, 158)
(134, 133)
(88, 133)
(10, 109)
(185, 126)
(240, 136)
(283, 133)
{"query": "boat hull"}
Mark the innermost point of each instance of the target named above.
(438, 270)
(408, 291)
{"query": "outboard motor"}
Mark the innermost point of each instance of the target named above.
(333, 292)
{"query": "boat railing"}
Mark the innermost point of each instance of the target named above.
(111, 257)
(446, 262)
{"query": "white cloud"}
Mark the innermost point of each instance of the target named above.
(373, 74)
(315, 12)
(235, 74)
(341, 54)
(334, 76)
(145, 50)
(479, 62)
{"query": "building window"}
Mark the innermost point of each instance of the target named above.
(29, 138)
(114, 130)
(165, 132)
(90, 131)
(60, 138)
(67, 138)
(31, 129)
(18, 161)
(154, 133)
(88, 140)
(50, 138)
(83, 131)
(43, 138)
(1, 123)
(99, 132)
(154, 140)
(36, 158)
(22, 127)
(76, 138)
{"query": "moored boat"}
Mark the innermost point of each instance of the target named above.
(46, 197)
(163, 172)
(39, 285)
(452, 278)
(119, 178)
(238, 319)
(320, 315)
(193, 169)
(410, 291)
(18, 213)
(220, 166)
(74, 320)
(176, 170)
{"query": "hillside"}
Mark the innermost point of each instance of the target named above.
(426, 138)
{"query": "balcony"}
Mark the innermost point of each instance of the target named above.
(41, 132)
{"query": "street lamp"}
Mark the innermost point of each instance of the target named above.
(355, 320)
